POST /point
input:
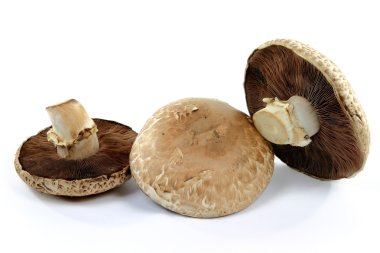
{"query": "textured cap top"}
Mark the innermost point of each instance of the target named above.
(201, 158)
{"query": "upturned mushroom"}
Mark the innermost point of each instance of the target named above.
(303, 104)
(77, 155)
(201, 158)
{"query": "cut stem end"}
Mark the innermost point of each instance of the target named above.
(73, 132)
(287, 122)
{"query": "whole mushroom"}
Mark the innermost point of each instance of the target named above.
(201, 158)
(302, 103)
(77, 155)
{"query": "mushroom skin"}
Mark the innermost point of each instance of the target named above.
(201, 158)
(284, 68)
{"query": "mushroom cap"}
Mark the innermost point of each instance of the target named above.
(283, 68)
(39, 166)
(201, 158)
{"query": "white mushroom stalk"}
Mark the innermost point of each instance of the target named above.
(287, 122)
(73, 132)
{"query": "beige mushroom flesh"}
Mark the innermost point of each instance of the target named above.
(73, 132)
(201, 158)
(302, 103)
(77, 155)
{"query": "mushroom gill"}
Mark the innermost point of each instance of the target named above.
(39, 157)
(276, 71)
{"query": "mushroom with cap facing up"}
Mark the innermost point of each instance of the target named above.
(302, 103)
(201, 158)
(77, 156)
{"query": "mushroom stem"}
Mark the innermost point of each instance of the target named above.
(73, 132)
(287, 122)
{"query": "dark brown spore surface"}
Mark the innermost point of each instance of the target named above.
(39, 157)
(277, 71)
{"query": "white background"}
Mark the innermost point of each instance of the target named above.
(123, 61)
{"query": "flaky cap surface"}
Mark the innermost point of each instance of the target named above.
(201, 158)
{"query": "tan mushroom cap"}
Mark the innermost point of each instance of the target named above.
(39, 166)
(282, 68)
(201, 158)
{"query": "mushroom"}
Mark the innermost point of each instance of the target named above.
(77, 155)
(201, 158)
(302, 103)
